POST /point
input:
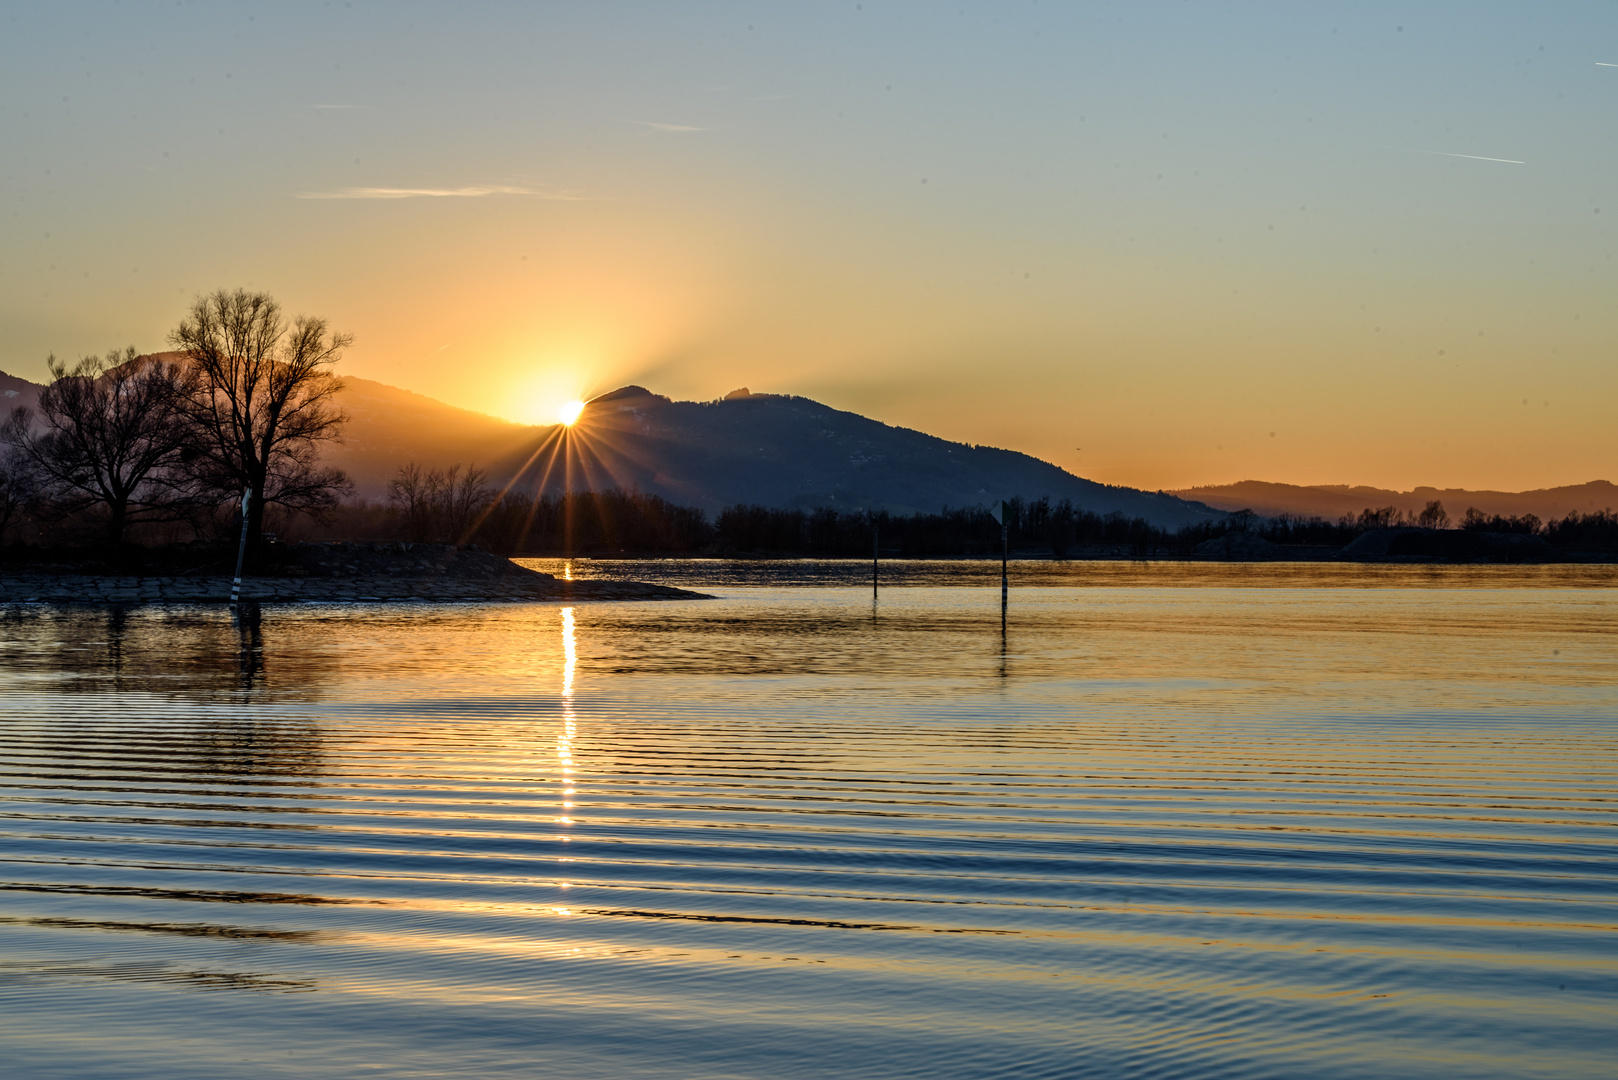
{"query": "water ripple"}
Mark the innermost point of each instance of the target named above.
(1217, 827)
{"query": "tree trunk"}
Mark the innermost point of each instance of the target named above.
(255, 525)
(117, 517)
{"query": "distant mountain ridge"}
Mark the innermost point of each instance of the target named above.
(785, 451)
(1334, 500)
(765, 449)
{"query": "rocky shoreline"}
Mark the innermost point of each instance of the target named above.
(105, 589)
(330, 574)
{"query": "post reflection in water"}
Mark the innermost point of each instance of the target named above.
(171, 652)
(249, 620)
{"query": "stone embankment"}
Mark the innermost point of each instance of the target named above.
(336, 573)
(99, 589)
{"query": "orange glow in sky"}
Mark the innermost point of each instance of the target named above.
(1329, 247)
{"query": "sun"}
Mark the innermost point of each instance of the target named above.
(568, 413)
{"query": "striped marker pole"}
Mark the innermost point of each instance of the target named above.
(241, 549)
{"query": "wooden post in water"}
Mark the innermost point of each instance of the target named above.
(1002, 514)
(1005, 558)
(875, 538)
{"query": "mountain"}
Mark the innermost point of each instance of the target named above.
(777, 450)
(1335, 500)
(784, 451)
(766, 449)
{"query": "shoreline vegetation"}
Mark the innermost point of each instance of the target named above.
(464, 535)
(627, 524)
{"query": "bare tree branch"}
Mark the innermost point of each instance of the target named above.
(261, 402)
(108, 434)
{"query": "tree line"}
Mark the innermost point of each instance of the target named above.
(122, 440)
(457, 505)
(1592, 532)
(634, 523)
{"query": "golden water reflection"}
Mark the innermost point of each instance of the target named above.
(564, 739)
(1225, 831)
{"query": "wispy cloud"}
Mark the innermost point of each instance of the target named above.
(674, 129)
(477, 192)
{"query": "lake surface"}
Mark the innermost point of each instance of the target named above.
(1172, 820)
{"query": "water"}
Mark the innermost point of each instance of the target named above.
(1178, 821)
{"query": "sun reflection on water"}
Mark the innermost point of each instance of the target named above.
(564, 739)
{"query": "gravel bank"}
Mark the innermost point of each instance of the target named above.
(334, 573)
(98, 589)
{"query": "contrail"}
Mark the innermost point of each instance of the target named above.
(1473, 157)
(1600, 64)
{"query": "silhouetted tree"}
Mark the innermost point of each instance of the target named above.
(19, 484)
(1244, 520)
(1588, 532)
(109, 435)
(1385, 517)
(1477, 521)
(440, 505)
(466, 496)
(1433, 516)
(410, 493)
(261, 403)
(1062, 528)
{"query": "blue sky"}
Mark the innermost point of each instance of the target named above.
(1133, 239)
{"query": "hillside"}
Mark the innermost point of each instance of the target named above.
(389, 426)
(775, 450)
(1334, 500)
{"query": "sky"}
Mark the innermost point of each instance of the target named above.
(1159, 244)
